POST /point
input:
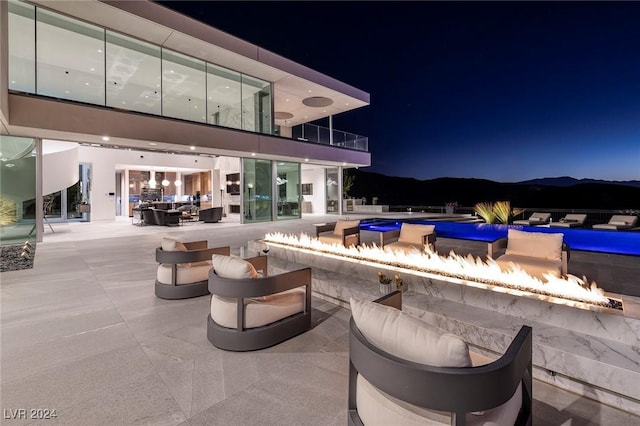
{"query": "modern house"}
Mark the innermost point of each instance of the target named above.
(106, 103)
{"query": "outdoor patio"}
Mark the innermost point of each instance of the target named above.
(84, 334)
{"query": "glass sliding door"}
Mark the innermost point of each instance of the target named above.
(257, 189)
(333, 190)
(288, 190)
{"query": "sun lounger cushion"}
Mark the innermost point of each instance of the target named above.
(534, 244)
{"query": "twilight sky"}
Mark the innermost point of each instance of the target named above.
(506, 91)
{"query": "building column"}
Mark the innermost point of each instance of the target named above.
(340, 192)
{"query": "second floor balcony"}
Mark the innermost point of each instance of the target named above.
(323, 135)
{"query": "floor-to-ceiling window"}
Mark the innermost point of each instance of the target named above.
(133, 74)
(257, 183)
(69, 58)
(55, 55)
(72, 203)
(288, 190)
(333, 190)
(17, 190)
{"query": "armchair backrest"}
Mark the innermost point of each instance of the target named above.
(341, 225)
(534, 244)
(233, 267)
(414, 233)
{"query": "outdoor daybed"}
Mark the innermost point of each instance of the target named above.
(250, 311)
(618, 222)
(535, 252)
(183, 269)
(404, 371)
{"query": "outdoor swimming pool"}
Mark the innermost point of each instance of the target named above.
(614, 242)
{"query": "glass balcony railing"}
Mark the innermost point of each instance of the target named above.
(322, 135)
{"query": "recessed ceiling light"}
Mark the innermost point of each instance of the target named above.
(344, 164)
(105, 138)
(13, 82)
(96, 144)
(171, 71)
(123, 102)
(324, 110)
(86, 84)
(306, 159)
(195, 106)
(146, 96)
(209, 97)
(66, 91)
(9, 164)
(192, 148)
(153, 143)
(287, 100)
(309, 90)
(226, 87)
(157, 85)
(99, 50)
(347, 104)
(253, 154)
(93, 69)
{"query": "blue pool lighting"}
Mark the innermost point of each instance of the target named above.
(614, 242)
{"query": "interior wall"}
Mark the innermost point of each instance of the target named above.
(317, 199)
(225, 166)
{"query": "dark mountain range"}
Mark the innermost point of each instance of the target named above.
(565, 181)
(399, 191)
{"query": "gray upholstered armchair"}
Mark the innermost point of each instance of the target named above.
(251, 311)
(410, 372)
(183, 269)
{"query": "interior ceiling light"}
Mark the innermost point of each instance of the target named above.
(253, 154)
(105, 138)
(192, 148)
(9, 164)
(153, 143)
(178, 182)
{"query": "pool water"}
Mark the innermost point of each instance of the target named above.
(614, 242)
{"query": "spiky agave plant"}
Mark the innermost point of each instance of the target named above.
(502, 210)
(485, 211)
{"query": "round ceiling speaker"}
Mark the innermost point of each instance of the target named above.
(281, 115)
(317, 101)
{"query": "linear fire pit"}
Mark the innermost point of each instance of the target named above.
(588, 348)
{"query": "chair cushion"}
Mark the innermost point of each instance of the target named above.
(408, 337)
(405, 247)
(534, 266)
(169, 244)
(378, 408)
(534, 244)
(233, 267)
(330, 239)
(345, 224)
(187, 273)
(412, 233)
(258, 311)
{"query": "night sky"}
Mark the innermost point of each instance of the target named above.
(506, 91)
